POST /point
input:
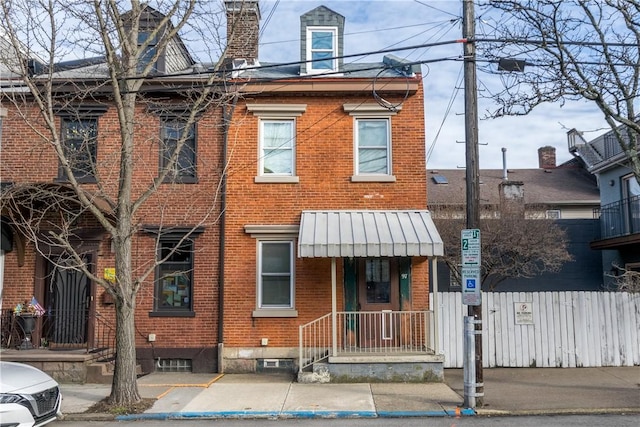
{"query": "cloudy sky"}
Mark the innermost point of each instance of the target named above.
(375, 25)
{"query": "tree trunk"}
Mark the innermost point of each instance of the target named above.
(124, 388)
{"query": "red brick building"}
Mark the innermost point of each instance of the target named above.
(326, 199)
(321, 214)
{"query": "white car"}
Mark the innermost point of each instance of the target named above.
(28, 396)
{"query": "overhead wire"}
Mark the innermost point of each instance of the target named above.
(452, 99)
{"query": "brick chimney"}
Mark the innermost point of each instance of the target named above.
(547, 157)
(243, 29)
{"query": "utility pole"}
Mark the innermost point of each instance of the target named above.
(472, 168)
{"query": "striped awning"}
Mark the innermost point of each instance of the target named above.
(368, 234)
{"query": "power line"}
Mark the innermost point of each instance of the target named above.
(435, 8)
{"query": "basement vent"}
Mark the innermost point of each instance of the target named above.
(271, 363)
(174, 365)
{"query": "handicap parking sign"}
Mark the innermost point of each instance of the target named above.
(472, 285)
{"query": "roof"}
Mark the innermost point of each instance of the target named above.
(560, 185)
(368, 233)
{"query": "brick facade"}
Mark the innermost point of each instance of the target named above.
(324, 163)
(182, 205)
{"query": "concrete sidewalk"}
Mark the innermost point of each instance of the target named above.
(507, 392)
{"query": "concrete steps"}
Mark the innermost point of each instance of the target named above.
(102, 372)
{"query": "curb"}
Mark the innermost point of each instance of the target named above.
(291, 415)
(273, 415)
(573, 411)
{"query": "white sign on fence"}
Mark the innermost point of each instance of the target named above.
(524, 313)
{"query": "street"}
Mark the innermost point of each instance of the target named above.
(524, 421)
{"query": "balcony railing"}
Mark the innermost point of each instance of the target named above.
(366, 334)
(621, 218)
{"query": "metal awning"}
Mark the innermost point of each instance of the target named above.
(369, 233)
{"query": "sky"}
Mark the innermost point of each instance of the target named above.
(383, 24)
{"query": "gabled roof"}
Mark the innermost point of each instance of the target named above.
(564, 185)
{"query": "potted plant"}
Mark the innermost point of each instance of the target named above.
(26, 314)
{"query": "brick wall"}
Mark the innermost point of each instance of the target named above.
(26, 157)
(324, 162)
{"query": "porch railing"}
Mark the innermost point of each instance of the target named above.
(366, 334)
(60, 330)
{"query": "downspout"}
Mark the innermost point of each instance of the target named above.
(227, 114)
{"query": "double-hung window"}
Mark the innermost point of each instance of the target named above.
(183, 168)
(277, 145)
(275, 280)
(373, 146)
(322, 45)
(277, 141)
(275, 269)
(79, 141)
(372, 152)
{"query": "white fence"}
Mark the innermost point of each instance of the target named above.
(546, 329)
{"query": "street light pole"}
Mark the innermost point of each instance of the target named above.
(472, 168)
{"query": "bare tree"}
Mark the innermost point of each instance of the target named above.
(571, 50)
(126, 190)
(511, 246)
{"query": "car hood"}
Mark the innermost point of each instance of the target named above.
(20, 378)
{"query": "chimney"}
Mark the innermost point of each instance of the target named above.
(243, 29)
(511, 199)
(547, 157)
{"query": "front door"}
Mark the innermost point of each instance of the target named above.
(67, 300)
(378, 297)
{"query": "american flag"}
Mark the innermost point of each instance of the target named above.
(37, 307)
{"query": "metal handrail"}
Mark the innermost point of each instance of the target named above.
(62, 330)
(366, 334)
(620, 218)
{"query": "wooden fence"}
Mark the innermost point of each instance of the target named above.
(546, 329)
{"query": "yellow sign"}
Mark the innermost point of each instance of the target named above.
(110, 274)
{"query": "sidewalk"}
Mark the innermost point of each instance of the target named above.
(507, 392)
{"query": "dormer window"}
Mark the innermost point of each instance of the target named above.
(322, 45)
(148, 51)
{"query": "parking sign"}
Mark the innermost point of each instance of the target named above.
(471, 262)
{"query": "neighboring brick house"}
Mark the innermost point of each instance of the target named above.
(176, 323)
(322, 213)
(567, 193)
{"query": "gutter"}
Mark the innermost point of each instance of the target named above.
(227, 114)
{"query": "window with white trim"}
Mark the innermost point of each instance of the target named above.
(372, 159)
(277, 141)
(275, 274)
(552, 213)
(373, 146)
(322, 49)
(277, 147)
